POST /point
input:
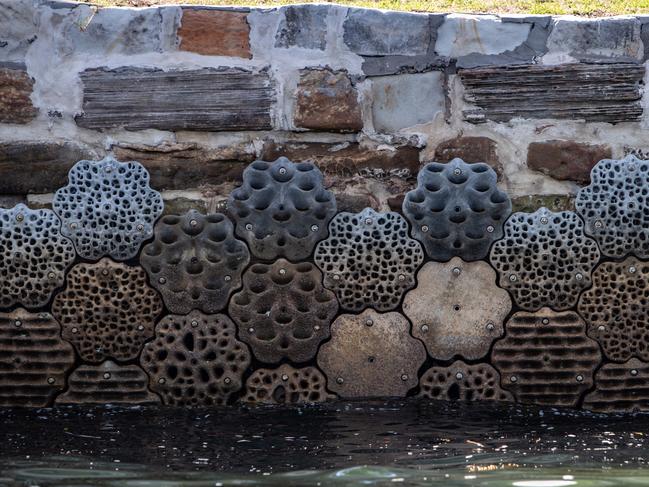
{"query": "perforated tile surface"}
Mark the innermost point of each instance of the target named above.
(287, 385)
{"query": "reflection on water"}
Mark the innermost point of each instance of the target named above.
(360, 443)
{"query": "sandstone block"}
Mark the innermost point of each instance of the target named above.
(215, 32)
(566, 159)
(15, 91)
(326, 100)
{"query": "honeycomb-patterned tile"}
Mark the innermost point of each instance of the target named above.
(615, 207)
(457, 308)
(456, 210)
(546, 357)
(195, 360)
(287, 385)
(33, 256)
(620, 388)
(282, 209)
(616, 308)
(107, 208)
(107, 310)
(463, 382)
(371, 355)
(108, 383)
(283, 311)
(369, 260)
(544, 259)
(33, 359)
(195, 261)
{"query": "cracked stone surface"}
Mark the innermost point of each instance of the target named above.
(544, 259)
(107, 208)
(368, 259)
(371, 355)
(457, 308)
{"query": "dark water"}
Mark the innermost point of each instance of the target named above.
(338, 444)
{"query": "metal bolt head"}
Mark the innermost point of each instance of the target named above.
(316, 327)
(632, 269)
(248, 226)
(282, 170)
(227, 278)
(631, 167)
(601, 328)
(18, 323)
(634, 372)
(284, 377)
(73, 225)
(369, 322)
(336, 277)
(545, 321)
(457, 271)
(106, 375)
(51, 380)
(404, 377)
(513, 278)
(162, 380)
(139, 227)
(51, 275)
(162, 280)
(457, 171)
(140, 327)
(104, 272)
(227, 380)
(368, 221)
(424, 228)
(340, 380)
(513, 378)
(490, 326)
(544, 220)
(314, 228)
(194, 323)
(251, 330)
(598, 224)
(401, 277)
(75, 330)
(579, 276)
(19, 217)
(282, 272)
(490, 229)
(580, 378)
(108, 169)
(193, 223)
(425, 328)
(459, 376)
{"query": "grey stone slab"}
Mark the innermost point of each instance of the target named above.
(405, 100)
(203, 99)
(377, 33)
(18, 29)
(303, 26)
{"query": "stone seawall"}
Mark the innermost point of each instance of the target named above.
(353, 265)
(196, 93)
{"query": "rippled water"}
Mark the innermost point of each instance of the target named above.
(337, 444)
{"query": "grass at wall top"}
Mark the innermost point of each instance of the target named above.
(590, 8)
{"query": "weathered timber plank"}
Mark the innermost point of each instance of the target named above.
(591, 92)
(203, 99)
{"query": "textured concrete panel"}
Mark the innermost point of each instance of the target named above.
(287, 385)
(620, 388)
(457, 309)
(371, 355)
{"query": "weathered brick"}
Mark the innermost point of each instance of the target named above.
(38, 166)
(326, 100)
(215, 32)
(182, 166)
(470, 149)
(15, 91)
(348, 159)
(566, 159)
